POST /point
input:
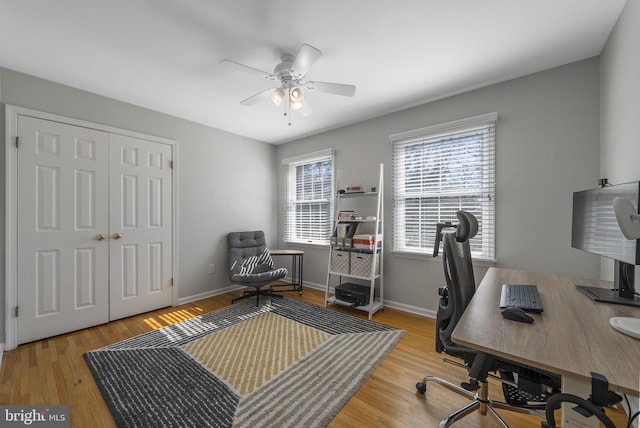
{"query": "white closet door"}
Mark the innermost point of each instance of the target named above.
(62, 273)
(140, 225)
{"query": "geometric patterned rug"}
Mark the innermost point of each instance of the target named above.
(286, 363)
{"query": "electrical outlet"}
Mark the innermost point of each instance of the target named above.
(212, 268)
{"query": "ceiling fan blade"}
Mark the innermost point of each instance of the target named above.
(255, 99)
(246, 68)
(332, 88)
(306, 57)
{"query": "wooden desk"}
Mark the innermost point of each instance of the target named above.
(572, 337)
(296, 268)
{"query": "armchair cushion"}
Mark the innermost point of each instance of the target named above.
(253, 278)
(256, 269)
(256, 264)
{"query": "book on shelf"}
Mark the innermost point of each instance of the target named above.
(365, 242)
(355, 188)
(349, 215)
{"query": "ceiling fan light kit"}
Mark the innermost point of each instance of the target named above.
(296, 94)
(276, 95)
(290, 73)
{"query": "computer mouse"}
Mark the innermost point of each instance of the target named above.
(516, 314)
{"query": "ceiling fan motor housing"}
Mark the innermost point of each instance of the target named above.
(283, 71)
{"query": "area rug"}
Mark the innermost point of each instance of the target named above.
(286, 363)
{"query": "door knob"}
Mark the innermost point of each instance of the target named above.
(117, 235)
(101, 237)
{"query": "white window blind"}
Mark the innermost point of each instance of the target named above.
(437, 171)
(309, 198)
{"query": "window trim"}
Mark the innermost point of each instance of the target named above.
(292, 162)
(431, 133)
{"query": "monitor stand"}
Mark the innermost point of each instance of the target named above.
(608, 296)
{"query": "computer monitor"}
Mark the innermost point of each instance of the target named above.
(595, 230)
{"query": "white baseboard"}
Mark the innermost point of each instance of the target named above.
(212, 293)
(411, 309)
(387, 303)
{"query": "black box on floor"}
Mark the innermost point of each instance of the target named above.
(356, 294)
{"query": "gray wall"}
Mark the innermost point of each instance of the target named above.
(620, 110)
(225, 182)
(547, 147)
(620, 92)
(620, 106)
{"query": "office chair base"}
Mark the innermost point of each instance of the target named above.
(480, 402)
(257, 293)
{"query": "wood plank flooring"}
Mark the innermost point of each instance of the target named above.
(52, 371)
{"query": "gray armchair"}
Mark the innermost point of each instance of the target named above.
(250, 264)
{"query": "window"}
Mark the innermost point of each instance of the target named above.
(309, 198)
(437, 171)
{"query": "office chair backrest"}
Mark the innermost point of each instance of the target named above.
(460, 281)
(243, 245)
(467, 226)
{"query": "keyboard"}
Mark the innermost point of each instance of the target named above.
(523, 296)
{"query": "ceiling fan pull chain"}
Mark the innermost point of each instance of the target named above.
(288, 106)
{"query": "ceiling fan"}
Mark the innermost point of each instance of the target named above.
(290, 74)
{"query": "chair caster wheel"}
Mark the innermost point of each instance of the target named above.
(421, 387)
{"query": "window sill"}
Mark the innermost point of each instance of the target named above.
(430, 258)
(306, 244)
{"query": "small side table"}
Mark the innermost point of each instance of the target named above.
(296, 268)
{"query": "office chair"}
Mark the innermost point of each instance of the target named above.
(525, 389)
(250, 264)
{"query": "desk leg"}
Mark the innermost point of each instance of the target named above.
(570, 418)
(300, 273)
(296, 272)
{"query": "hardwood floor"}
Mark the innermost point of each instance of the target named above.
(52, 371)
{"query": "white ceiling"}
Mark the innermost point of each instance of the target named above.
(164, 54)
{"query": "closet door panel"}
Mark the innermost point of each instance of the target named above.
(141, 225)
(62, 207)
